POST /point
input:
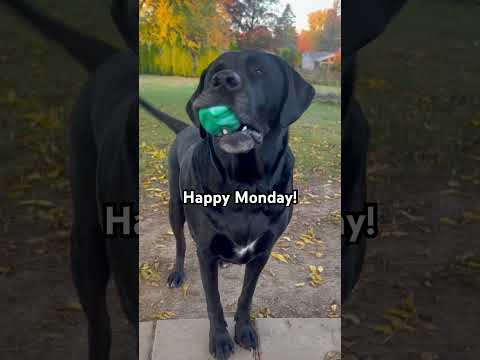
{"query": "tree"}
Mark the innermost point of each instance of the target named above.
(305, 41)
(247, 15)
(192, 24)
(330, 37)
(175, 33)
(259, 38)
(284, 31)
(291, 56)
(325, 30)
(316, 20)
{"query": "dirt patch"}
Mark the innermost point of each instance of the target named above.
(415, 298)
(283, 289)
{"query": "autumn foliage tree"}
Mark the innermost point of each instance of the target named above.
(259, 37)
(257, 24)
(324, 31)
(305, 41)
(179, 33)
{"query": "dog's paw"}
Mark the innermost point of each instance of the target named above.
(221, 345)
(245, 335)
(175, 279)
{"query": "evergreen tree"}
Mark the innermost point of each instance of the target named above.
(284, 31)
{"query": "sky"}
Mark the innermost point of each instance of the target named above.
(301, 9)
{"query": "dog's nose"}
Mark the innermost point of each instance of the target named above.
(228, 79)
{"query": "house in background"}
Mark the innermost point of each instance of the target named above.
(312, 60)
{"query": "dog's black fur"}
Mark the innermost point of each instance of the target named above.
(362, 22)
(104, 164)
(267, 95)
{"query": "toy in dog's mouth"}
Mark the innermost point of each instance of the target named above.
(231, 135)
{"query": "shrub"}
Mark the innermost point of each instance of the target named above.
(291, 56)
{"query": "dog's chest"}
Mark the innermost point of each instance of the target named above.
(240, 237)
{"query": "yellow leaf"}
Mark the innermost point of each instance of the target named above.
(164, 315)
(448, 221)
(283, 245)
(264, 312)
(279, 257)
(398, 313)
(384, 329)
(185, 288)
(148, 273)
(300, 244)
(73, 306)
(39, 203)
(300, 284)
(409, 303)
(470, 215)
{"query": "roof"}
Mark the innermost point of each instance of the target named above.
(318, 55)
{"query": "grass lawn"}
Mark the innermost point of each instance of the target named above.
(421, 98)
(314, 138)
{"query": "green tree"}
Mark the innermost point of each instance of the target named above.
(247, 15)
(284, 31)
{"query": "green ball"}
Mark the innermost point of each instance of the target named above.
(217, 118)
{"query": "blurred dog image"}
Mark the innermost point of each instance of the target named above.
(362, 22)
(104, 164)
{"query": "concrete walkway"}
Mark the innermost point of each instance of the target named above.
(280, 339)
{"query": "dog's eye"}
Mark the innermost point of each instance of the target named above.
(258, 71)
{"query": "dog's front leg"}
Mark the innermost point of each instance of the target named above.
(245, 334)
(220, 344)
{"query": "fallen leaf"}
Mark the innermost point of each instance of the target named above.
(185, 288)
(148, 273)
(470, 215)
(6, 270)
(409, 304)
(279, 257)
(300, 244)
(264, 312)
(39, 203)
(164, 315)
(399, 313)
(448, 221)
(384, 329)
(72, 306)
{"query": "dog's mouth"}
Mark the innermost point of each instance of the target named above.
(240, 141)
(233, 141)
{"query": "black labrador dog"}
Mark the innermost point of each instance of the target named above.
(267, 96)
(104, 165)
(362, 22)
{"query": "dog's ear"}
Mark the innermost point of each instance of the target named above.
(299, 95)
(125, 15)
(189, 107)
(363, 21)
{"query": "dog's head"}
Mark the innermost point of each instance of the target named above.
(364, 21)
(262, 90)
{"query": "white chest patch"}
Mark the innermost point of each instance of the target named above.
(241, 251)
